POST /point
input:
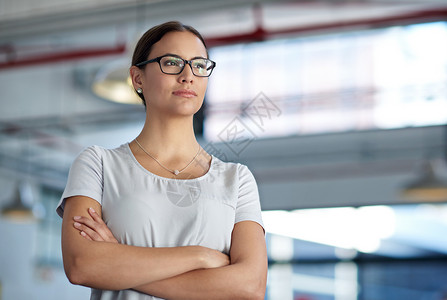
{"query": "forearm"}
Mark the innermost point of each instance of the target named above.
(230, 282)
(244, 278)
(114, 266)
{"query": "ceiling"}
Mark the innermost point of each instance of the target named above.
(50, 53)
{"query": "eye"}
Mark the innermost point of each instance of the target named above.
(172, 62)
(200, 64)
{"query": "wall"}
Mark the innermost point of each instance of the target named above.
(20, 278)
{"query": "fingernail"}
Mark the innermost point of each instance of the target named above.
(83, 233)
(76, 224)
(77, 217)
(91, 209)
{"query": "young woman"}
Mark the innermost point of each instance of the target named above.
(159, 217)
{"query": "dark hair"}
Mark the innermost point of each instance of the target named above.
(153, 35)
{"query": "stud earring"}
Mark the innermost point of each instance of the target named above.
(139, 90)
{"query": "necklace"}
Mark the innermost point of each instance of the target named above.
(175, 172)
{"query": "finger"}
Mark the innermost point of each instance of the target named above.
(86, 236)
(96, 226)
(88, 231)
(100, 229)
(95, 215)
(86, 221)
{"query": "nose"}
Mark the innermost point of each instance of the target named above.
(186, 76)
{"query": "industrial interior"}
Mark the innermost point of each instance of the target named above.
(339, 108)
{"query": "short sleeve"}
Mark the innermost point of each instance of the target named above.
(85, 177)
(248, 205)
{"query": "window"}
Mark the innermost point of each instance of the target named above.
(376, 79)
(48, 238)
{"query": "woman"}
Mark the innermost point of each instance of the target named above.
(178, 222)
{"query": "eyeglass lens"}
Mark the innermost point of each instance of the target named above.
(175, 65)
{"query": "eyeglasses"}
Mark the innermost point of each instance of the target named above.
(173, 65)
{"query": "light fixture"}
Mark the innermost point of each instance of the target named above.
(427, 187)
(112, 82)
(20, 208)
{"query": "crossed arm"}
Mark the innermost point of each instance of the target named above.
(94, 258)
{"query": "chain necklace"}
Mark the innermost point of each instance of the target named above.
(175, 172)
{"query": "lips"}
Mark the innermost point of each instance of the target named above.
(185, 93)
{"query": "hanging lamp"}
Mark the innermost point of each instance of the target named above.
(20, 208)
(428, 187)
(112, 82)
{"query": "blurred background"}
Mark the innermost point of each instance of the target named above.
(338, 107)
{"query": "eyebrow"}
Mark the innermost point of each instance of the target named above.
(176, 55)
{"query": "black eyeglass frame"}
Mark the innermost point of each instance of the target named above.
(185, 62)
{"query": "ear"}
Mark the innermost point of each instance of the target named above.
(137, 76)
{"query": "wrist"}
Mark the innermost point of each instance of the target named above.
(201, 256)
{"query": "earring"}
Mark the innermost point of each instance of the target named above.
(139, 90)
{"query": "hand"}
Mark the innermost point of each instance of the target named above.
(94, 229)
(215, 259)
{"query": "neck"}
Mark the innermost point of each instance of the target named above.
(169, 137)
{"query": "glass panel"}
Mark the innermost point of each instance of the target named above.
(49, 234)
(385, 78)
(376, 252)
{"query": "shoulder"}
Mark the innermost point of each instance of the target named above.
(96, 157)
(91, 151)
(98, 153)
(239, 170)
(90, 156)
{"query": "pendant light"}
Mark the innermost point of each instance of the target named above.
(20, 208)
(428, 187)
(112, 82)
